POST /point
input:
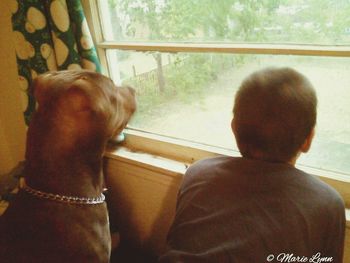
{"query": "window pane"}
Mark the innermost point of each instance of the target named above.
(270, 21)
(191, 97)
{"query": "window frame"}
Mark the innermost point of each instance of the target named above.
(189, 152)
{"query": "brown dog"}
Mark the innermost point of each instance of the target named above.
(60, 215)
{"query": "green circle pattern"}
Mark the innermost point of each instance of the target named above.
(42, 39)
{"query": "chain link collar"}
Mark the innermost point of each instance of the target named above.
(63, 198)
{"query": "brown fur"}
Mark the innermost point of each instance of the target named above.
(78, 111)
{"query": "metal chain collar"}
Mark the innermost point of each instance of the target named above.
(63, 198)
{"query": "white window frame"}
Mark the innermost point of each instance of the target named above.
(189, 152)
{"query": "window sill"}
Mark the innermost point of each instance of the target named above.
(147, 161)
(173, 156)
(161, 165)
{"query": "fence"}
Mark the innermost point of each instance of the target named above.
(147, 83)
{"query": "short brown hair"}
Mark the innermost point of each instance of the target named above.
(274, 112)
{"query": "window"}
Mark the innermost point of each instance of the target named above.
(186, 58)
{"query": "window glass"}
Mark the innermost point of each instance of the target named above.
(266, 21)
(190, 96)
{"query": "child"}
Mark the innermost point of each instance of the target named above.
(259, 207)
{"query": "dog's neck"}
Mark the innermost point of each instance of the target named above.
(64, 162)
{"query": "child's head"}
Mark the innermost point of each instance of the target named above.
(274, 114)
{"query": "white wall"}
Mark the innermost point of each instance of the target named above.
(143, 200)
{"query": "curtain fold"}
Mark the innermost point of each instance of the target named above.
(50, 35)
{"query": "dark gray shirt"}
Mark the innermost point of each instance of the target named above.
(242, 210)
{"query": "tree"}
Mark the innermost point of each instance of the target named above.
(164, 20)
(232, 21)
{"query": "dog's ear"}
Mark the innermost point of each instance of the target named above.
(75, 100)
(51, 86)
(74, 105)
(73, 116)
(125, 106)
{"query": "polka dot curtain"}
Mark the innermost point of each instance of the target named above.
(50, 35)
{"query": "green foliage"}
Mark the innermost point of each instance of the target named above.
(324, 21)
(112, 3)
(188, 78)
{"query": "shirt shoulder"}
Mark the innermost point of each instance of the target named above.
(321, 189)
(208, 169)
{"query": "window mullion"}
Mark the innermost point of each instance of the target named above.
(94, 22)
(233, 48)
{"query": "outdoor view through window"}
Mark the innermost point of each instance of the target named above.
(190, 95)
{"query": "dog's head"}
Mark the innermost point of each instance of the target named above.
(81, 108)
